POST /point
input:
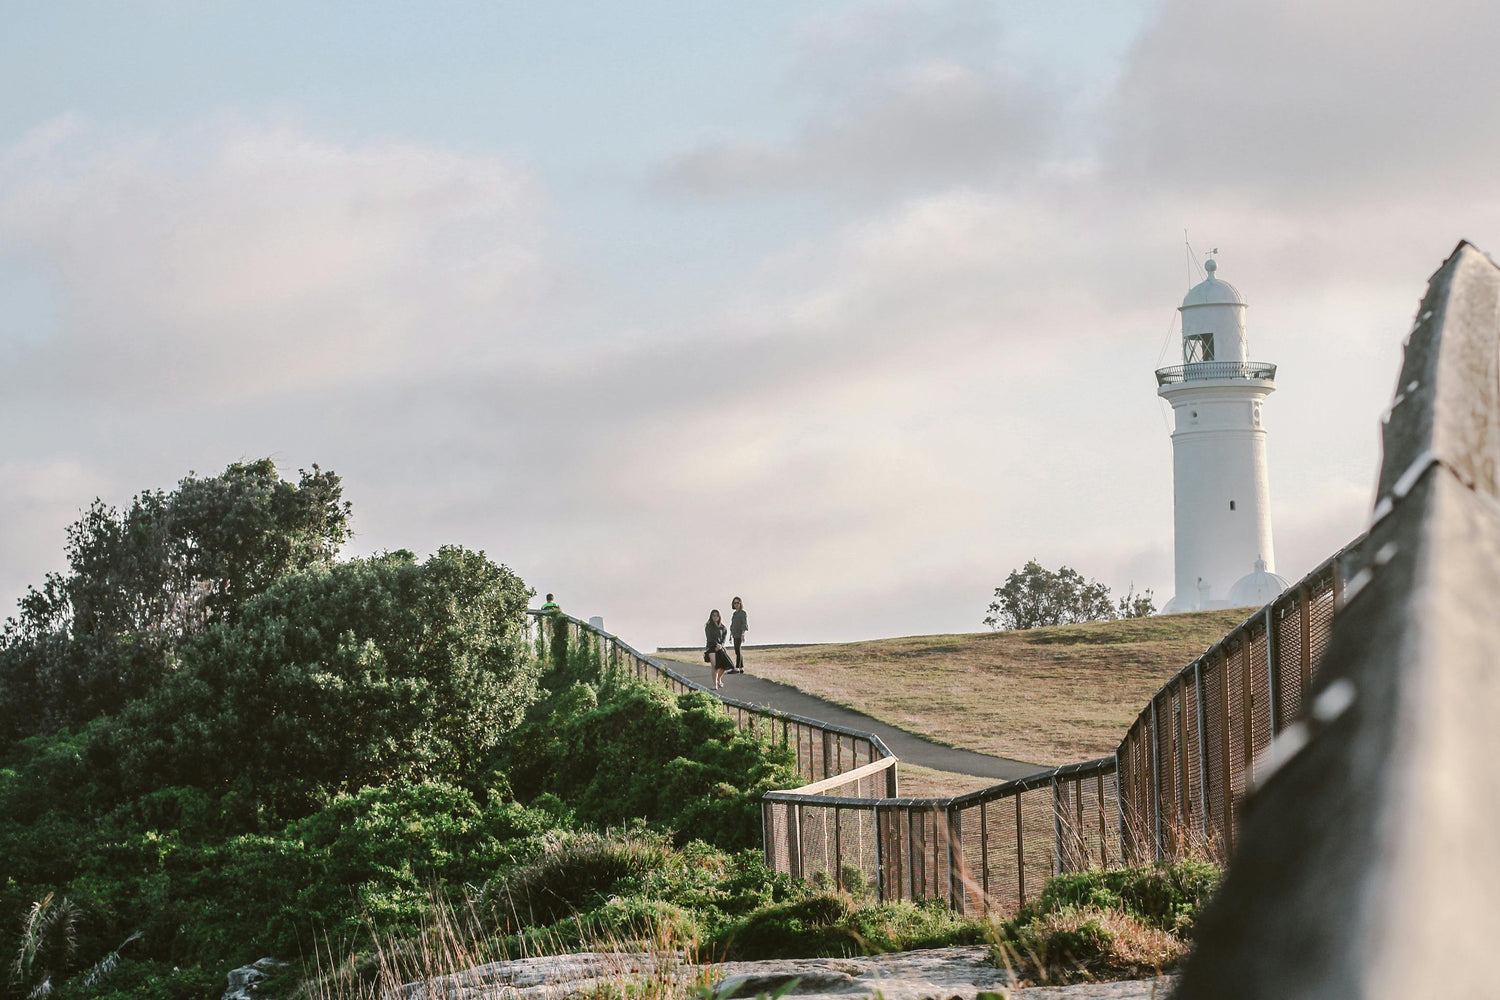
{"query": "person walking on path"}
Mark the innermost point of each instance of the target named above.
(713, 648)
(738, 626)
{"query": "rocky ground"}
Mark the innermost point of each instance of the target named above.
(937, 973)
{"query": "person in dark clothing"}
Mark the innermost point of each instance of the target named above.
(713, 647)
(738, 626)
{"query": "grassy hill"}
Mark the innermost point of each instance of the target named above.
(1051, 695)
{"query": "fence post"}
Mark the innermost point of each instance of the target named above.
(984, 858)
(827, 753)
(1020, 851)
(767, 835)
(880, 875)
(794, 848)
(890, 782)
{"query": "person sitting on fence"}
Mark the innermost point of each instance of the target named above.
(550, 607)
(713, 647)
(738, 626)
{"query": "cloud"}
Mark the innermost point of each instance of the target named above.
(1311, 104)
(244, 259)
(907, 94)
(944, 372)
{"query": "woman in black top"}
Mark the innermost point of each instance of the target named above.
(738, 626)
(713, 647)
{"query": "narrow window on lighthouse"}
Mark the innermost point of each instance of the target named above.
(1231, 505)
(1198, 347)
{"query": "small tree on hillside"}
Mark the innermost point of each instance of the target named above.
(1034, 596)
(1134, 605)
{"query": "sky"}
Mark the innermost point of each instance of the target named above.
(844, 308)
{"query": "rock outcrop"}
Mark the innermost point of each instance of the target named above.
(244, 982)
(935, 973)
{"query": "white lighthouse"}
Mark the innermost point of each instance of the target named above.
(1221, 496)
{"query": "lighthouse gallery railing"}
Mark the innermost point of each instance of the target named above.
(1205, 370)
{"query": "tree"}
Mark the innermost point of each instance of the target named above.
(360, 673)
(1133, 605)
(145, 579)
(1034, 596)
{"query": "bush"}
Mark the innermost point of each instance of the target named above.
(828, 924)
(1088, 943)
(575, 871)
(628, 749)
(1107, 923)
(1165, 896)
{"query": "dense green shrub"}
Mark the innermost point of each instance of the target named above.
(335, 678)
(1165, 896)
(628, 749)
(828, 924)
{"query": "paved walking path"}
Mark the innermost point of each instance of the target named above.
(911, 749)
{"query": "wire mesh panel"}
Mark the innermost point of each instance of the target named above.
(1164, 771)
(1289, 641)
(857, 857)
(1260, 694)
(1215, 690)
(1193, 752)
(817, 829)
(1237, 662)
(1038, 827)
(1321, 613)
(973, 832)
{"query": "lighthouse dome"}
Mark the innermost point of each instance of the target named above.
(1257, 588)
(1211, 291)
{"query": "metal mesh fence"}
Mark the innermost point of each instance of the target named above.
(1173, 785)
(1187, 761)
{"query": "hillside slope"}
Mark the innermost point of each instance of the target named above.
(1052, 695)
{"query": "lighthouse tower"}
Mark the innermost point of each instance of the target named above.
(1221, 496)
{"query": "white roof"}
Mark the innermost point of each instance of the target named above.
(1213, 292)
(1258, 587)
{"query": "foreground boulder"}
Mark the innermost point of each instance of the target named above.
(926, 974)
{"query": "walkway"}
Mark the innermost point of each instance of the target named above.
(911, 749)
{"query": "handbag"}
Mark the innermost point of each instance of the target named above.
(708, 656)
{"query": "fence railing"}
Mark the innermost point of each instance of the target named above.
(822, 750)
(1187, 760)
(1174, 785)
(991, 849)
(1366, 865)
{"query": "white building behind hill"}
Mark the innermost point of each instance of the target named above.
(1221, 494)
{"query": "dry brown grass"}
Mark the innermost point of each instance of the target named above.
(925, 783)
(1048, 695)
